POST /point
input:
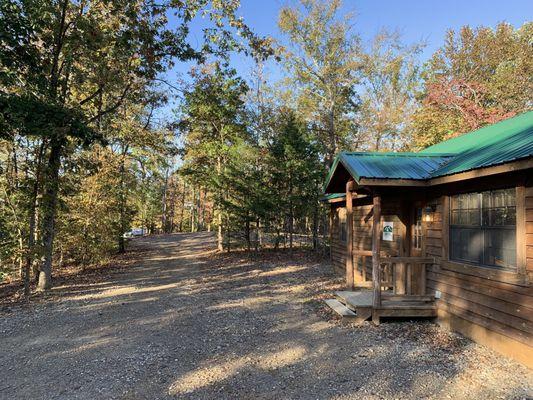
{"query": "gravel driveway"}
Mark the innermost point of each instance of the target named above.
(183, 322)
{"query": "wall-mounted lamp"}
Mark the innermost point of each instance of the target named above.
(429, 211)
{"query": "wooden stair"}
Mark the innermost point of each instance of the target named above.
(399, 306)
(347, 310)
(340, 309)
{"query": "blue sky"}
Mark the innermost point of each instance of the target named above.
(417, 20)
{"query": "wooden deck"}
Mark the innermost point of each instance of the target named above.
(399, 306)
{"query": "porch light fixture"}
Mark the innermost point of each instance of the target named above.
(429, 210)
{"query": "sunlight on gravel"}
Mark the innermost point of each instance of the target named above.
(124, 290)
(206, 376)
(221, 371)
(285, 270)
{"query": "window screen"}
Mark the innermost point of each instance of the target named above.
(483, 228)
(417, 229)
(342, 225)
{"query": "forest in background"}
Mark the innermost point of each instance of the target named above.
(88, 149)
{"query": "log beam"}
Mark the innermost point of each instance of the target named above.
(376, 247)
(350, 187)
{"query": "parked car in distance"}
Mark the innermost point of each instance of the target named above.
(134, 232)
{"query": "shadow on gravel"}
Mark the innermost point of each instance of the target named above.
(185, 322)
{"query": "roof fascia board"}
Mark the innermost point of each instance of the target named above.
(512, 166)
(392, 182)
(399, 154)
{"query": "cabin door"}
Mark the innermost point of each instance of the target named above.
(416, 231)
(415, 282)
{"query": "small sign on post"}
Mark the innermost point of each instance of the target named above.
(387, 231)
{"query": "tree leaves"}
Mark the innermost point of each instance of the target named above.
(29, 116)
(478, 77)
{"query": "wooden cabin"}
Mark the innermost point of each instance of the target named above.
(446, 232)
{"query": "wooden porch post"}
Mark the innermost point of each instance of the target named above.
(350, 186)
(399, 272)
(376, 248)
(330, 229)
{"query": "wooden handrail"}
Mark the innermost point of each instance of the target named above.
(406, 260)
(368, 253)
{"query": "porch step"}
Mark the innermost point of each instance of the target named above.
(354, 300)
(340, 308)
(399, 306)
(359, 302)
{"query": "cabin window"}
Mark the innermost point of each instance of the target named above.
(417, 229)
(343, 233)
(483, 228)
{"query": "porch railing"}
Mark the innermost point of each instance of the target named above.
(399, 277)
(406, 275)
(403, 277)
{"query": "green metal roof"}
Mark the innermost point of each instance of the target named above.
(495, 144)
(503, 142)
(388, 165)
(394, 165)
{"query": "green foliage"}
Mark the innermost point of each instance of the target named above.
(29, 116)
(73, 74)
(85, 156)
(213, 124)
(479, 76)
(90, 208)
(296, 168)
(323, 62)
(390, 78)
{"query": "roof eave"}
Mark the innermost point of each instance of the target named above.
(393, 182)
(339, 159)
(504, 167)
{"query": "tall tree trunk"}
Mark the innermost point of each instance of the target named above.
(291, 213)
(37, 239)
(315, 226)
(49, 213)
(182, 211)
(123, 221)
(51, 186)
(228, 234)
(259, 242)
(193, 210)
(164, 227)
(29, 261)
(332, 146)
(247, 233)
(291, 226)
(171, 209)
(22, 268)
(201, 210)
(219, 212)
(219, 232)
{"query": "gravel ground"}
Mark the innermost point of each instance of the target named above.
(183, 322)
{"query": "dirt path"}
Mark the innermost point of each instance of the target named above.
(184, 323)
